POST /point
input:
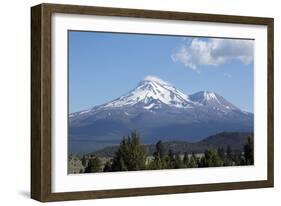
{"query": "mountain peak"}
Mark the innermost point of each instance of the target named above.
(155, 80)
(212, 99)
(153, 92)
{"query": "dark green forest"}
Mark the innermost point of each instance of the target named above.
(132, 155)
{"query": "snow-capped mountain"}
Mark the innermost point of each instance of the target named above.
(213, 100)
(153, 92)
(159, 111)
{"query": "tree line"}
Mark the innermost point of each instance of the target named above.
(132, 156)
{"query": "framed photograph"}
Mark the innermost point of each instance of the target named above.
(130, 102)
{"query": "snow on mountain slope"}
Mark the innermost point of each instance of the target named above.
(153, 92)
(212, 100)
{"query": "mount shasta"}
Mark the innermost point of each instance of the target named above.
(159, 111)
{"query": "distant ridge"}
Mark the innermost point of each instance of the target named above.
(235, 139)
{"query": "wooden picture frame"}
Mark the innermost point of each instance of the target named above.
(41, 116)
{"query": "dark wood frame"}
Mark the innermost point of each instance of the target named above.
(41, 101)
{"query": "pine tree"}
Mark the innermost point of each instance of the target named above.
(193, 162)
(158, 161)
(84, 161)
(185, 159)
(229, 152)
(94, 165)
(171, 159)
(228, 160)
(131, 155)
(237, 160)
(107, 167)
(249, 151)
(159, 153)
(211, 159)
(221, 153)
(118, 163)
(178, 162)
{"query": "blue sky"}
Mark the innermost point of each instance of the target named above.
(103, 66)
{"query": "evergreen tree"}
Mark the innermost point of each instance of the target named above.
(193, 162)
(159, 160)
(229, 152)
(84, 161)
(228, 162)
(229, 159)
(178, 162)
(171, 159)
(171, 154)
(131, 155)
(118, 163)
(238, 159)
(221, 153)
(249, 151)
(185, 159)
(94, 165)
(107, 167)
(159, 153)
(211, 159)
